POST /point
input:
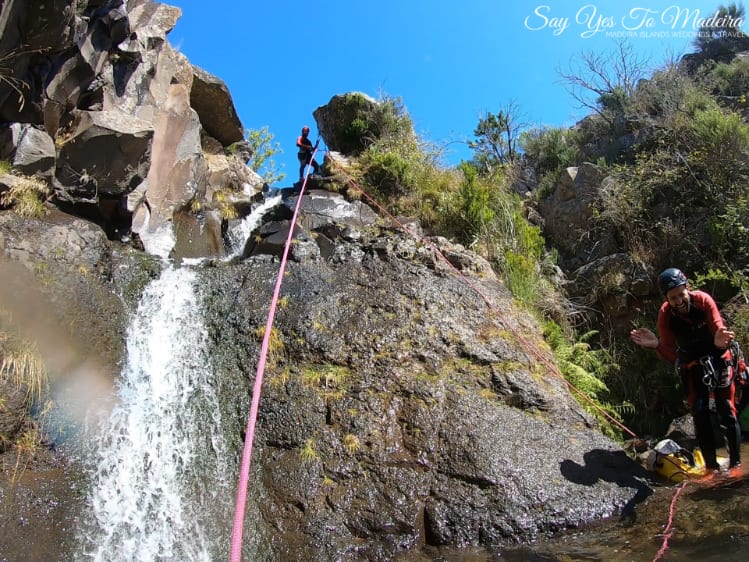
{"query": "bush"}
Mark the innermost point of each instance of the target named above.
(474, 203)
(550, 149)
(26, 196)
(721, 135)
(586, 369)
(668, 93)
(370, 123)
(388, 172)
(731, 79)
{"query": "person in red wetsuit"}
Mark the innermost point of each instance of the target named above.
(306, 148)
(694, 337)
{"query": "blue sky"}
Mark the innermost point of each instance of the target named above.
(449, 62)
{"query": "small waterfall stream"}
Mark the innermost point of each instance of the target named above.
(241, 232)
(162, 462)
(163, 474)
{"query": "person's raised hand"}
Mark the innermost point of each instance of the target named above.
(644, 338)
(723, 338)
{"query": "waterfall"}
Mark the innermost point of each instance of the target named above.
(239, 234)
(159, 485)
(162, 473)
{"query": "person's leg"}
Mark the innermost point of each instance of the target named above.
(302, 164)
(703, 429)
(699, 399)
(725, 401)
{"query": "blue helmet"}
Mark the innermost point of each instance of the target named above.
(670, 279)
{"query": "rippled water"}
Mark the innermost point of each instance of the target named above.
(710, 523)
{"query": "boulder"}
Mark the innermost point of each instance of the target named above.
(32, 35)
(568, 213)
(334, 120)
(324, 217)
(611, 285)
(210, 98)
(138, 77)
(176, 175)
(29, 149)
(106, 153)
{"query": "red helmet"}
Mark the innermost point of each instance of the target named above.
(305, 129)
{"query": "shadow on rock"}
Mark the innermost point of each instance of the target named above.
(615, 467)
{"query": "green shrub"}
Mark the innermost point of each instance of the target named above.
(369, 123)
(474, 197)
(615, 100)
(586, 369)
(731, 79)
(521, 277)
(550, 149)
(668, 94)
(388, 172)
(720, 133)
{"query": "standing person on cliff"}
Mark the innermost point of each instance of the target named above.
(693, 336)
(306, 148)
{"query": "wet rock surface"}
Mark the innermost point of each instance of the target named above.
(399, 409)
(406, 401)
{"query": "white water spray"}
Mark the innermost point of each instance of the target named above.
(160, 482)
(240, 233)
(161, 486)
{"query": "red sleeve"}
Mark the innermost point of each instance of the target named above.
(705, 302)
(666, 341)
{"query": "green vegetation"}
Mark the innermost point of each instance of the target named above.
(674, 148)
(308, 453)
(263, 151)
(368, 124)
(587, 369)
(329, 380)
(21, 368)
(351, 443)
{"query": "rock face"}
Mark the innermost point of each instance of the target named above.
(106, 111)
(403, 405)
(407, 401)
(401, 409)
(599, 273)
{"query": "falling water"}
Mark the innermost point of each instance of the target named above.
(161, 486)
(242, 231)
(160, 482)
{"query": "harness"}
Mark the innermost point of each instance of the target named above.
(695, 347)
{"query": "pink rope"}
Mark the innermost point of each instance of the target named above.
(236, 541)
(244, 473)
(668, 531)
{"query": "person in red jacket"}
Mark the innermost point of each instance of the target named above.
(306, 148)
(694, 337)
